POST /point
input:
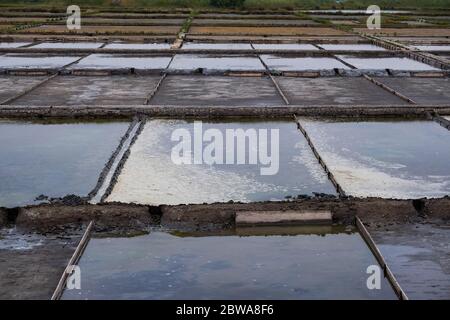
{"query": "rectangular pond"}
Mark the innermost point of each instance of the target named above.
(91, 90)
(389, 159)
(13, 44)
(117, 61)
(284, 46)
(279, 63)
(68, 45)
(433, 48)
(352, 47)
(161, 171)
(23, 61)
(392, 63)
(137, 46)
(217, 46)
(211, 63)
(216, 90)
(427, 91)
(53, 159)
(301, 265)
(419, 256)
(11, 86)
(335, 91)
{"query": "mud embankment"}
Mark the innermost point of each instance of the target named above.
(131, 218)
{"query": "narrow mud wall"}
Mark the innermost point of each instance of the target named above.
(112, 217)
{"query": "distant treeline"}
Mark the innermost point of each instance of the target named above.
(255, 4)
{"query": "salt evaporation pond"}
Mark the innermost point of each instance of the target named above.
(53, 159)
(389, 159)
(150, 175)
(161, 265)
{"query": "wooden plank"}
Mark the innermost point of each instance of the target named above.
(73, 260)
(376, 252)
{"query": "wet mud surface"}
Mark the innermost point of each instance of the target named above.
(419, 256)
(216, 90)
(91, 90)
(430, 90)
(32, 264)
(11, 86)
(339, 91)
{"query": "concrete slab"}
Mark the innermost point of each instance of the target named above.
(212, 63)
(18, 61)
(117, 61)
(428, 91)
(393, 63)
(341, 91)
(389, 159)
(10, 86)
(280, 63)
(153, 175)
(217, 90)
(80, 90)
(53, 159)
(289, 217)
(68, 45)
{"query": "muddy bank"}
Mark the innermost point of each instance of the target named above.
(130, 218)
(108, 218)
(32, 264)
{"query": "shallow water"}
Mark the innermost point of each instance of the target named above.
(53, 159)
(107, 61)
(151, 177)
(217, 46)
(301, 64)
(138, 46)
(211, 62)
(390, 159)
(164, 266)
(284, 46)
(31, 62)
(433, 48)
(12, 239)
(419, 256)
(351, 47)
(403, 64)
(68, 45)
(13, 44)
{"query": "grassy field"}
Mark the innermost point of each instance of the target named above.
(248, 4)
